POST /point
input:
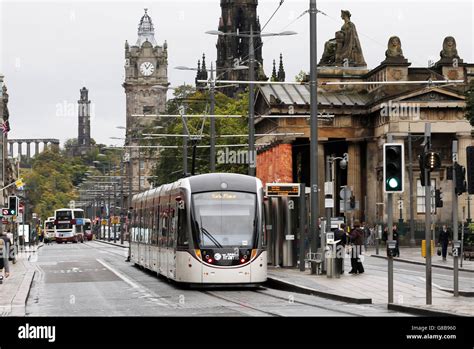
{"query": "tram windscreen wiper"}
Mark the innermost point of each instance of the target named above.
(210, 237)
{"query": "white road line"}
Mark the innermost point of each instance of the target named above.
(435, 285)
(134, 285)
(120, 275)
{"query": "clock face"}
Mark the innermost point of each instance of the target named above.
(147, 68)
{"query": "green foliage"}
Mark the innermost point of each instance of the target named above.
(49, 184)
(302, 76)
(169, 166)
(470, 103)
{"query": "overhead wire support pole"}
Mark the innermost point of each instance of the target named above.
(251, 121)
(212, 122)
(314, 128)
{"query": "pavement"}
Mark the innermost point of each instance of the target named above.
(413, 255)
(15, 289)
(372, 286)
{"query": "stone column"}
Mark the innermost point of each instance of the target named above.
(11, 148)
(19, 149)
(45, 145)
(36, 148)
(354, 176)
(28, 151)
(371, 180)
(464, 140)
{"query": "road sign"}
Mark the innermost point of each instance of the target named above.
(283, 189)
(104, 222)
(19, 183)
(115, 220)
(79, 221)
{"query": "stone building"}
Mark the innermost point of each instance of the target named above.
(146, 69)
(238, 16)
(356, 119)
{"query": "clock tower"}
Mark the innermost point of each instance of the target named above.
(146, 66)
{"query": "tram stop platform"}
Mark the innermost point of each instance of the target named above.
(371, 287)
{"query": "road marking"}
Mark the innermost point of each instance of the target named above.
(120, 275)
(134, 285)
(435, 285)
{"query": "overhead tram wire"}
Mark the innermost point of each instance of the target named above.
(273, 15)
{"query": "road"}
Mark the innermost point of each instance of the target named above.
(93, 279)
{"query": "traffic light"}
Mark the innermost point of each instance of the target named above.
(460, 173)
(470, 169)
(438, 199)
(393, 167)
(352, 201)
(13, 205)
(431, 161)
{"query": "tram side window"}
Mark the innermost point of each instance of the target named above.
(154, 234)
(174, 224)
(164, 228)
(182, 228)
(140, 231)
(264, 228)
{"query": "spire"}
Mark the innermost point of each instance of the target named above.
(281, 70)
(203, 68)
(146, 31)
(198, 74)
(203, 62)
(274, 72)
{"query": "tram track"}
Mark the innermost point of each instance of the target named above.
(248, 306)
(263, 293)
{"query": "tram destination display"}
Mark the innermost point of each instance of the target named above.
(283, 189)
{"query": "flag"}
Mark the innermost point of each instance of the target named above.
(5, 127)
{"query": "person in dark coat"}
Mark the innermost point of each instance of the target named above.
(357, 240)
(443, 240)
(340, 234)
(395, 238)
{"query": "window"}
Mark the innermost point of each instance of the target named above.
(420, 196)
(142, 164)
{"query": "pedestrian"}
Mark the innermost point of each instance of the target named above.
(395, 238)
(4, 259)
(443, 240)
(357, 240)
(366, 230)
(340, 234)
(8, 252)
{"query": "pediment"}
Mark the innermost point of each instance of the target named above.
(432, 95)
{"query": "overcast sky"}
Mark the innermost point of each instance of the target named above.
(49, 50)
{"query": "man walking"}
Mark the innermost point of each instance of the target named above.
(443, 240)
(357, 239)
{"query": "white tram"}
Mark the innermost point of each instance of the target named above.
(206, 229)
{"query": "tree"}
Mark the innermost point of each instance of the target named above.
(50, 182)
(302, 76)
(169, 161)
(470, 103)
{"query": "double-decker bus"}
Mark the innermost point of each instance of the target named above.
(48, 229)
(69, 225)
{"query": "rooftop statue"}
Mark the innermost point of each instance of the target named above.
(344, 49)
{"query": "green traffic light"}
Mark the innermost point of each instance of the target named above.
(393, 183)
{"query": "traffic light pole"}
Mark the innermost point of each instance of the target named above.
(455, 221)
(390, 236)
(428, 218)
